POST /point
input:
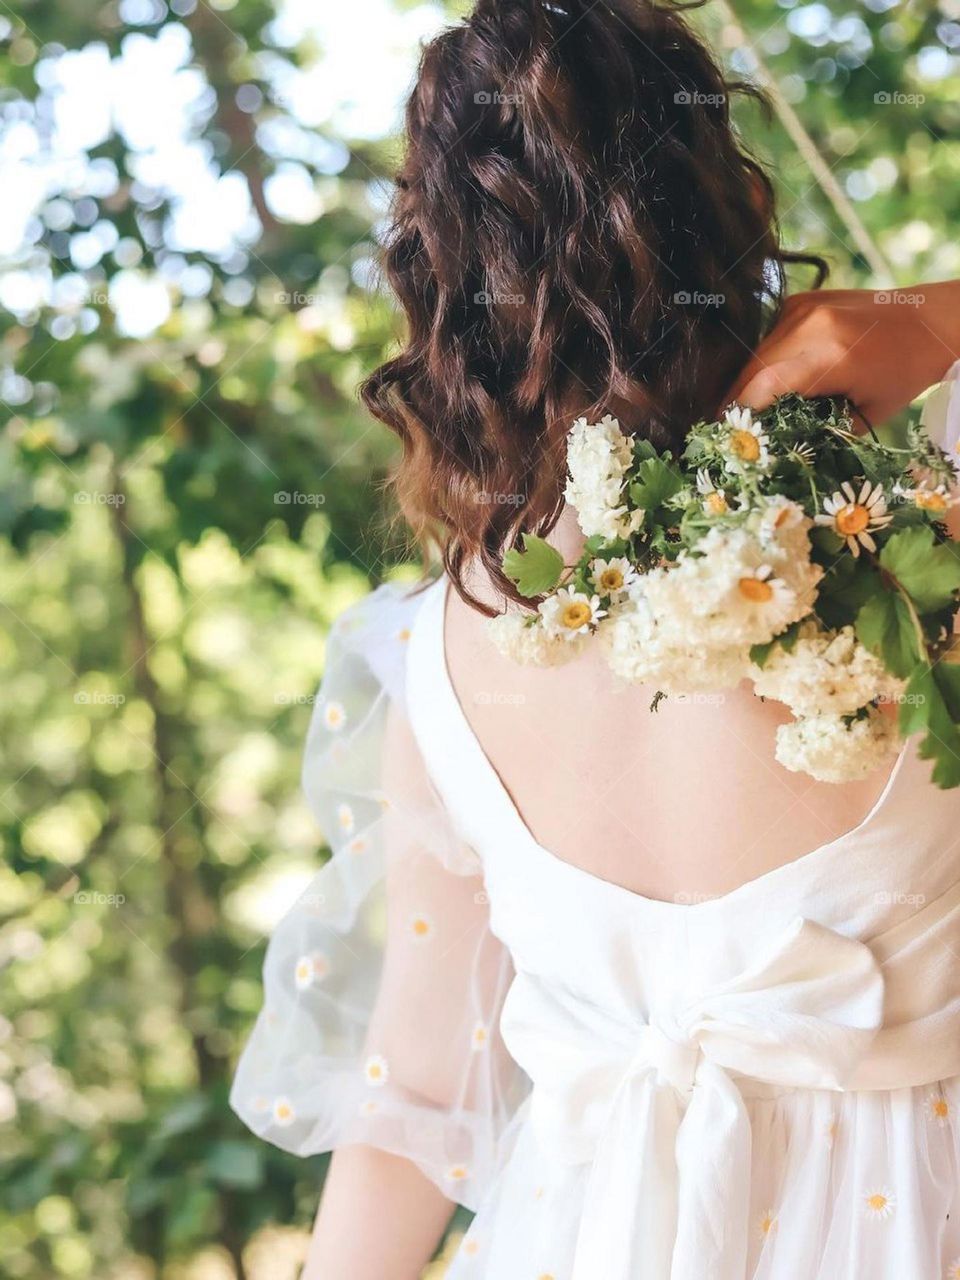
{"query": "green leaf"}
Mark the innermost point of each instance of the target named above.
(643, 449)
(929, 706)
(927, 570)
(536, 569)
(847, 585)
(655, 482)
(759, 653)
(787, 640)
(884, 625)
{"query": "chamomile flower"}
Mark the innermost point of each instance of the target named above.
(570, 613)
(745, 444)
(856, 516)
(334, 716)
(309, 969)
(283, 1112)
(779, 518)
(613, 577)
(714, 499)
(767, 1223)
(803, 453)
(345, 818)
(760, 591)
(880, 1203)
(928, 496)
(376, 1070)
(421, 927)
(939, 1109)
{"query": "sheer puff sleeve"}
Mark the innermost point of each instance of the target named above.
(383, 983)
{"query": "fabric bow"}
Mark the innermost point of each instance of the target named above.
(651, 1108)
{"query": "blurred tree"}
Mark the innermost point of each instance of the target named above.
(189, 494)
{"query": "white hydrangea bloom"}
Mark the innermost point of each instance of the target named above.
(598, 455)
(736, 593)
(640, 649)
(831, 750)
(531, 644)
(826, 673)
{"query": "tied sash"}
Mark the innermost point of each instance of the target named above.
(651, 1107)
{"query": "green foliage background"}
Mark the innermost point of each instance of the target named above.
(164, 607)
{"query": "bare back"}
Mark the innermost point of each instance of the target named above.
(682, 803)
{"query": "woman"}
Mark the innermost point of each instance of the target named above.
(645, 999)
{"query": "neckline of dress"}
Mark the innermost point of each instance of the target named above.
(429, 631)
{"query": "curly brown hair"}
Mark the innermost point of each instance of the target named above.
(577, 229)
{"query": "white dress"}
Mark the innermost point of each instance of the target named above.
(760, 1086)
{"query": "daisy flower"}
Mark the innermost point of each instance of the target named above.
(334, 716)
(345, 819)
(879, 1204)
(852, 515)
(714, 499)
(767, 1224)
(570, 613)
(376, 1070)
(779, 517)
(939, 1109)
(761, 591)
(421, 927)
(283, 1112)
(802, 453)
(613, 577)
(934, 498)
(746, 444)
(953, 1271)
(310, 969)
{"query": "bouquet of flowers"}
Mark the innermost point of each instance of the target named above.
(782, 548)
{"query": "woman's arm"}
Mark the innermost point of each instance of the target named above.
(379, 1218)
(880, 349)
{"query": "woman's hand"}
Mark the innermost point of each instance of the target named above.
(880, 349)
